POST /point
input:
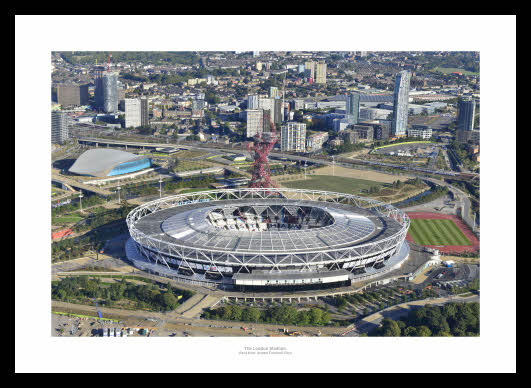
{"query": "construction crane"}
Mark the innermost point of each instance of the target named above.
(109, 63)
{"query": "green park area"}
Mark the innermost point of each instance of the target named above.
(436, 232)
(333, 183)
(403, 143)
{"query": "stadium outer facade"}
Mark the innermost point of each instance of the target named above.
(267, 239)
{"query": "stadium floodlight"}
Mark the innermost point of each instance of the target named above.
(80, 205)
(160, 186)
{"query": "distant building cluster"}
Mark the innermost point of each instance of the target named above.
(226, 98)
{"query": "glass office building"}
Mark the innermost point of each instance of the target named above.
(110, 92)
(401, 103)
(353, 107)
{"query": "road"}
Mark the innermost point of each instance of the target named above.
(71, 182)
(462, 200)
(340, 161)
(175, 321)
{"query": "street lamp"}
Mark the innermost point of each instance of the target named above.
(80, 205)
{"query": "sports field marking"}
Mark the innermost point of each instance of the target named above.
(441, 230)
(437, 232)
(418, 234)
(458, 234)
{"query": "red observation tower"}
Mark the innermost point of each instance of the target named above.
(260, 150)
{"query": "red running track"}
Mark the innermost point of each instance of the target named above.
(474, 247)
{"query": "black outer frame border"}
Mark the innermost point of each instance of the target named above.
(283, 10)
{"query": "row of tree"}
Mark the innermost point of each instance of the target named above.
(283, 314)
(88, 201)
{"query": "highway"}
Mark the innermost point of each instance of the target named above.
(343, 162)
(278, 155)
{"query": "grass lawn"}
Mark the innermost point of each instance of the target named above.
(332, 183)
(437, 232)
(73, 218)
(190, 165)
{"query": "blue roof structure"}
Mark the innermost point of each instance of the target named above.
(100, 162)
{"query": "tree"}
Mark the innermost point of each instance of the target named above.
(390, 328)
(253, 314)
(226, 313)
(315, 316)
(236, 314)
(169, 301)
(423, 331)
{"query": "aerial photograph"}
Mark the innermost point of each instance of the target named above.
(266, 193)
(293, 193)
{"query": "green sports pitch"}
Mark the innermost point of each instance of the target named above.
(436, 232)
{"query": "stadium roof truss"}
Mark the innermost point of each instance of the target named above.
(161, 250)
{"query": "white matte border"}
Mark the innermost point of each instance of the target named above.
(493, 36)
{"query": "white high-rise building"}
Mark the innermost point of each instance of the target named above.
(401, 102)
(60, 127)
(269, 105)
(424, 133)
(253, 101)
(255, 122)
(133, 113)
(309, 69)
(320, 73)
(293, 137)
